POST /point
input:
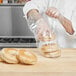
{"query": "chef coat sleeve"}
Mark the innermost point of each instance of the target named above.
(39, 5)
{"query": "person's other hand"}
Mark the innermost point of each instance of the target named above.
(53, 12)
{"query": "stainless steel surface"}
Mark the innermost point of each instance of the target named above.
(19, 24)
(5, 21)
(18, 45)
(13, 25)
(13, 4)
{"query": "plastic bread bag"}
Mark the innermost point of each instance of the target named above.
(49, 47)
(47, 42)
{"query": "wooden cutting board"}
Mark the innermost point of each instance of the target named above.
(62, 66)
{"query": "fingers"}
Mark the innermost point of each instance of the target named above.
(52, 12)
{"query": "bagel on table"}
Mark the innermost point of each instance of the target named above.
(50, 50)
(26, 57)
(0, 56)
(9, 55)
(52, 55)
(16, 55)
(53, 47)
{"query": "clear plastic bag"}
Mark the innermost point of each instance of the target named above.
(49, 47)
(48, 42)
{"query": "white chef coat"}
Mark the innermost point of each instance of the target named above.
(67, 8)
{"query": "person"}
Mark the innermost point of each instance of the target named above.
(59, 14)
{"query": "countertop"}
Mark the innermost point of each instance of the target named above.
(62, 66)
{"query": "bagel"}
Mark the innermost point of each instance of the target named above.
(9, 55)
(49, 47)
(53, 54)
(26, 57)
(0, 56)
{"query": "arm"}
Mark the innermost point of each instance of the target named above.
(33, 16)
(67, 24)
(32, 11)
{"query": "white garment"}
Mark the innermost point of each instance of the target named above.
(67, 8)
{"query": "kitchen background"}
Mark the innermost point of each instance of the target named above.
(12, 22)
(14, 31)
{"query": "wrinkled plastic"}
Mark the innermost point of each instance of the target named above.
(48, 44)
(49, 47)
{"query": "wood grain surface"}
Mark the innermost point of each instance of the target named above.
(62, 66)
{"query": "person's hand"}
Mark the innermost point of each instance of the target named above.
(53, 12)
